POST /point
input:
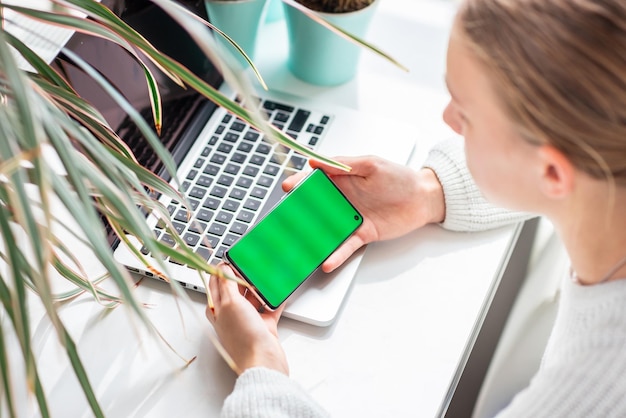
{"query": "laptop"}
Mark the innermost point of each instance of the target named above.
(231, 173)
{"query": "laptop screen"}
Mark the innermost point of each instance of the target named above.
(180, 106)
(185, 112)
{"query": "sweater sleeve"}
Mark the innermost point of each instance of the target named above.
(264, 393)
(466, 208)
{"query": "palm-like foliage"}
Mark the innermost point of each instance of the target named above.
(55, 148)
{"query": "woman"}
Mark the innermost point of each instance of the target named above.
(538, 91)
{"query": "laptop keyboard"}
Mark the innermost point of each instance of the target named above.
(236, 179)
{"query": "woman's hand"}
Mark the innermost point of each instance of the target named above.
(249, 337)
(392, 198)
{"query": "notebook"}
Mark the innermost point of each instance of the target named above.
(232, 174)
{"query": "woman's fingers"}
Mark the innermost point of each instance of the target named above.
(341, 254)
(221, 289)
(226, 286)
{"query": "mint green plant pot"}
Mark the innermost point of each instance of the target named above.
(274, 11)
(319, 56)
(240, 20)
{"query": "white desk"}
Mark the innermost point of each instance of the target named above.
(402, 331)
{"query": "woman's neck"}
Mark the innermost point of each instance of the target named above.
(594, 235)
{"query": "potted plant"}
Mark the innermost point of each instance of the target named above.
(325, 38)
(58, 154)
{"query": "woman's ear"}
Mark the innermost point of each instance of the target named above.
(557, 173)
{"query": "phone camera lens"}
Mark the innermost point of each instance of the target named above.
(356, 217)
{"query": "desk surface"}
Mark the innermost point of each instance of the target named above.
(398, 339)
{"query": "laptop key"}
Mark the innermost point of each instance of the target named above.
(298, 162)
(299, 120)
(244, 146)
(204, 181)
(180, 228)
(237, 126)
(238, 194)
(278, 158)
(238, 228)
(224, 217)
(257, 160)
(204, 215)
(265, 181)
(167, 239)
(218, 158)
(191, 239)
(211, 169)
(282, 117)
(251, 171)
(193, 204)
(258, 192)
(218, 191)
(232, 168)
(182, 215)
(192, 174)
(238, 157)
(225, 180)
(271, 169)
(211, 203)
(209, 241)
(251, 136)
(203, 252)
(245, 216)
(197, 192)
(270, 105)
(263, 149)
(244, 182)
(217, 229)
(197, 227)
(220, 252)
(230, 239)
(231, 205)
(225, 148)
(231, 137)
(252, 204)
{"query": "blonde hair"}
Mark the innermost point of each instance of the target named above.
(559, 67)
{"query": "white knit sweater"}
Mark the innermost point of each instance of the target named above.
(583, 372)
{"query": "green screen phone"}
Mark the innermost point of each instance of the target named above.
(293, 239)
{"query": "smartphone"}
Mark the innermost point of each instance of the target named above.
(293, 239)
